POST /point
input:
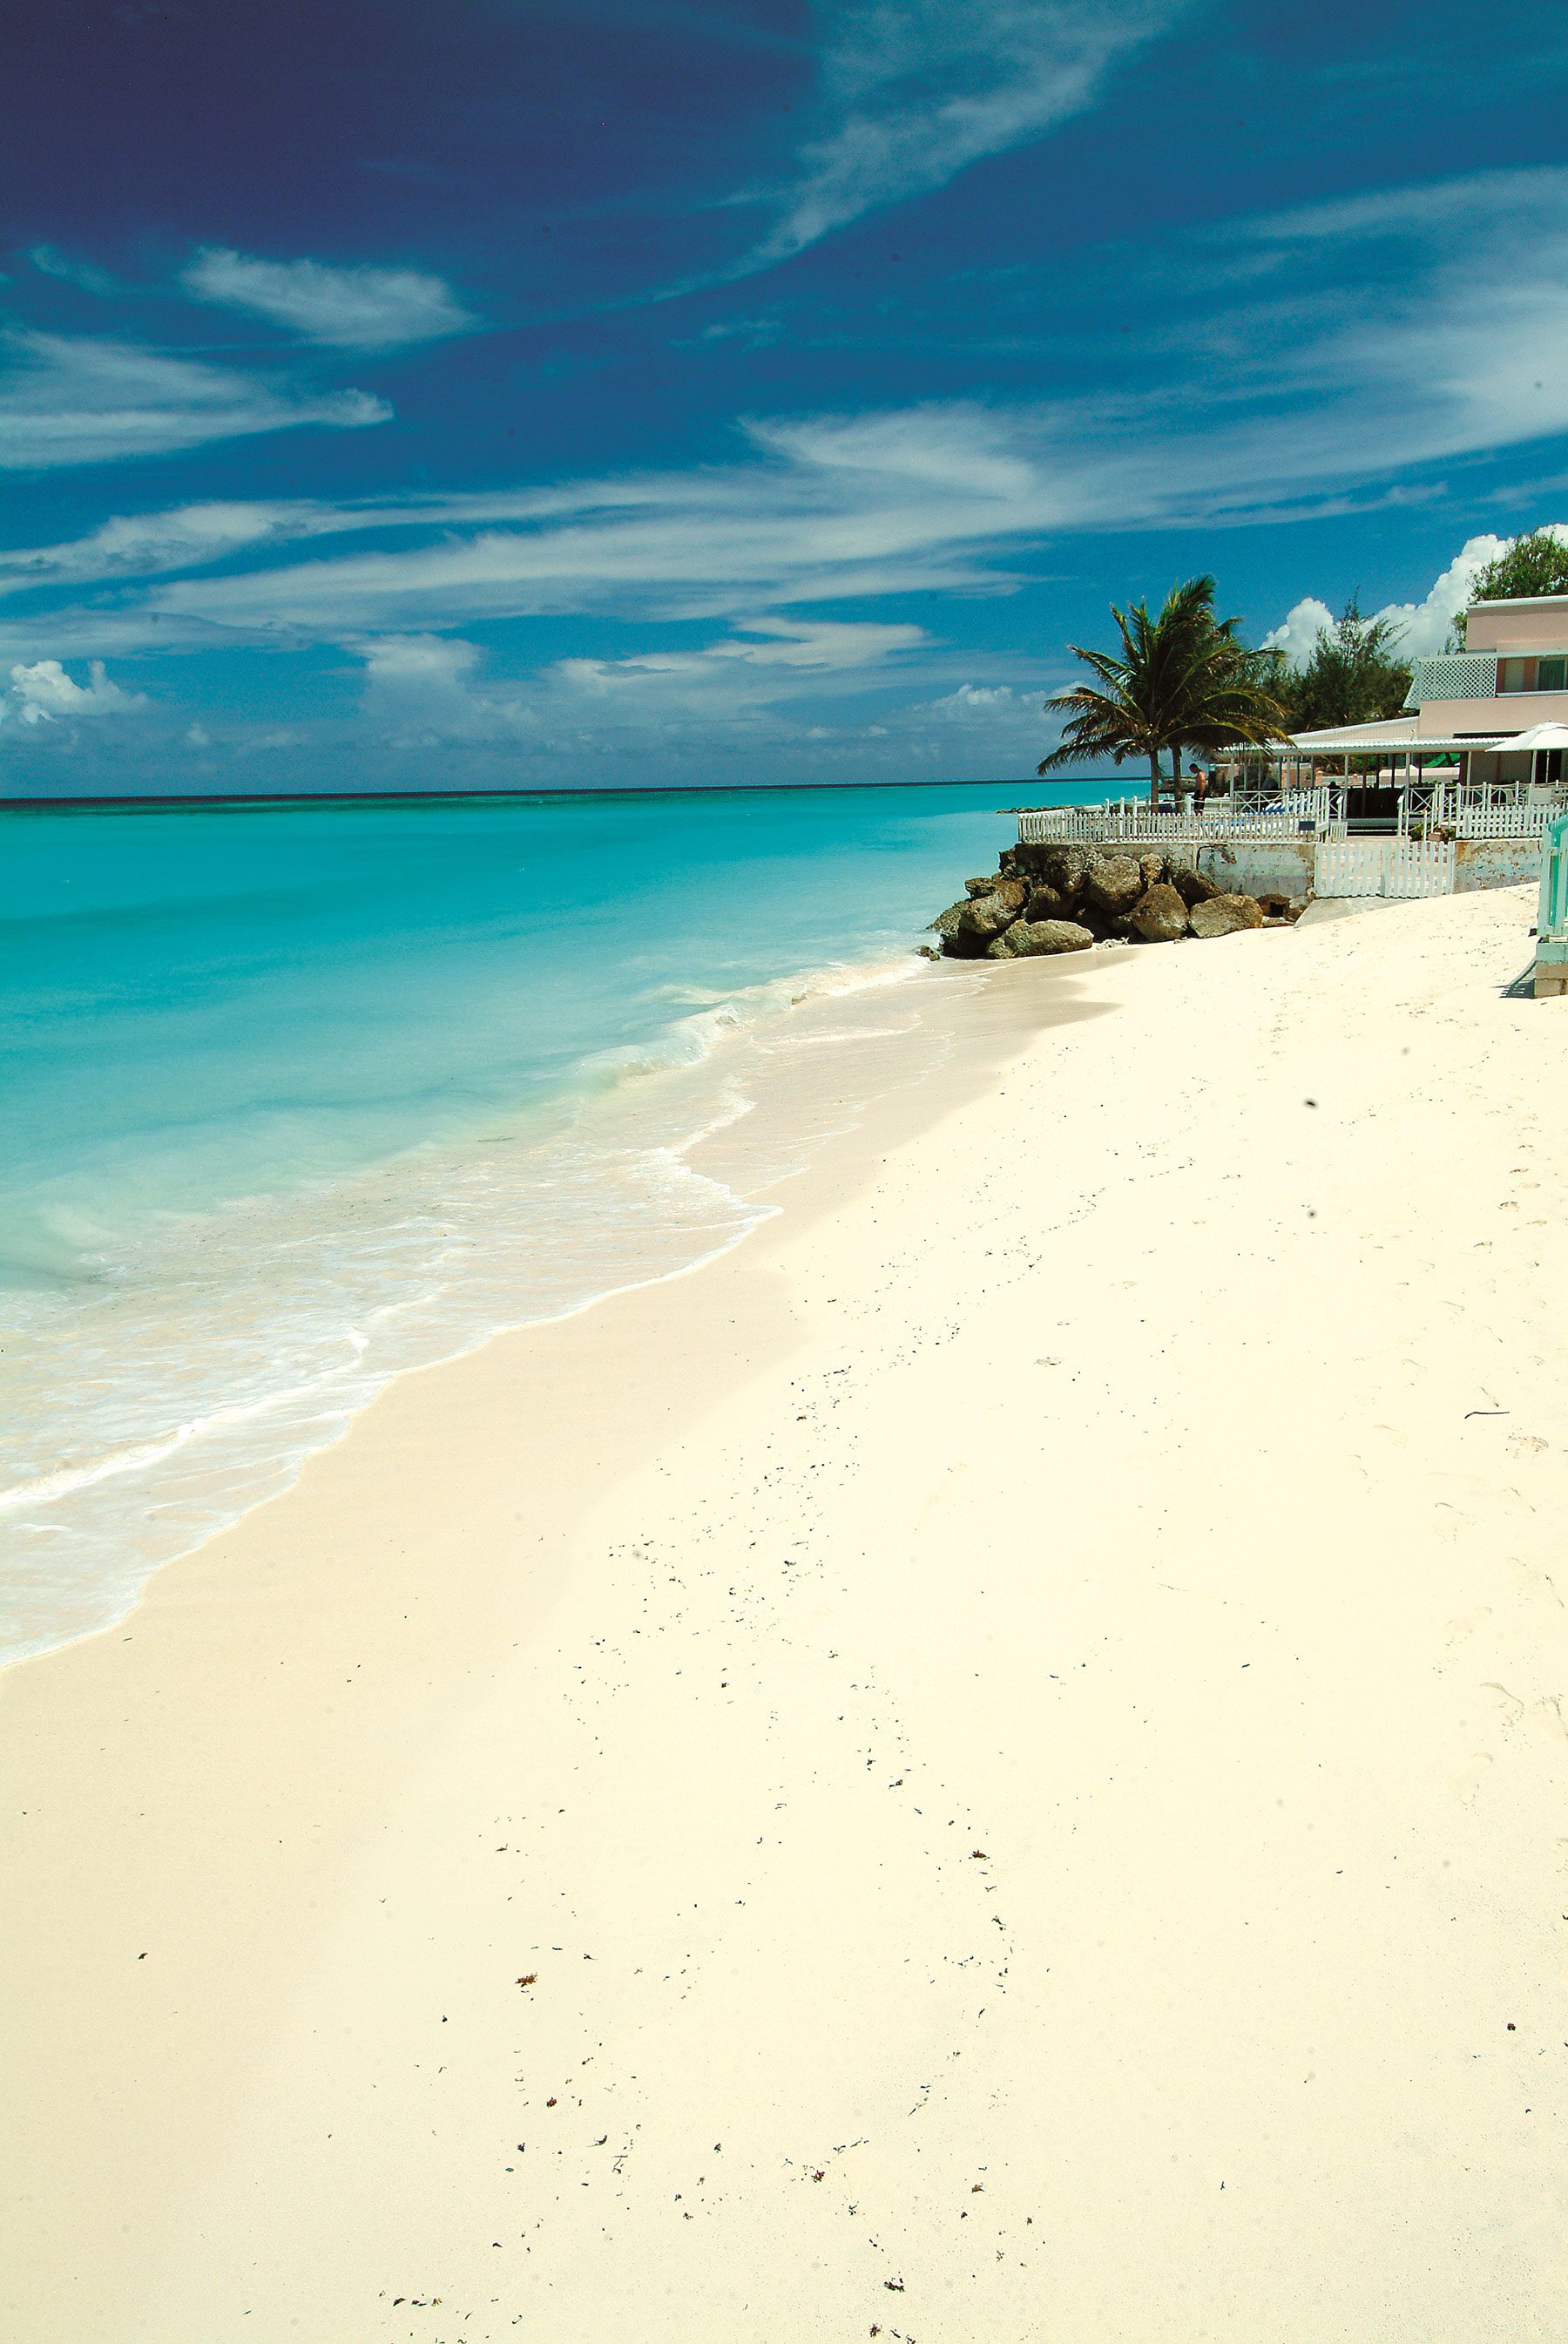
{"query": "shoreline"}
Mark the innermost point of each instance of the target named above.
(932, 1509)
(661, 1108)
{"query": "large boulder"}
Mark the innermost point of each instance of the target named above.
(1153, 869)
(1028, 939)
(1112, 883)
(1221, 915)
(1190, 883)
(1160, 917)
(1045, 903)
(1053, 865)
(987, 915)
(947, 921)
(985, 886)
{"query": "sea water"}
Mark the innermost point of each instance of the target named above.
(297, 1097)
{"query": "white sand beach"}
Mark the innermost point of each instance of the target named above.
(990, 1766)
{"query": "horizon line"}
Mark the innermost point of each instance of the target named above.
(373, 797)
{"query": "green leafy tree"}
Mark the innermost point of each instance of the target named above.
(1353, 677)
(1535, 564)
(1183, 679)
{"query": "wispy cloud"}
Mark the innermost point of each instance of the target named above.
(1322, 404)
(764, 659)
(913, 91)
(139, 545)
(50, 263)
(96, 402)
(354, 309)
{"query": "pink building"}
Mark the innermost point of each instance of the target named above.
(1511, 677)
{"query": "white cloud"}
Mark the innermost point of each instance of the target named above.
(198, 737)
(1423, 627)
(915, 90)
(341, 308)
(1298, 632)
(44, 692)
(986, 700)
(96, 402)
(420, 692)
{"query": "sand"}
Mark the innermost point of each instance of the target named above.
(989, 1765)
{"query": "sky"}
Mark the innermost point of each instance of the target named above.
(511, 395)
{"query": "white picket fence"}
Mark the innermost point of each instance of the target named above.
(1131, 824)
(1402, 867)
(1504, 822)
(1486, 810)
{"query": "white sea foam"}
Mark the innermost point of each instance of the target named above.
(207, 1357)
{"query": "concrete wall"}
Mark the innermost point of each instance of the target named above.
(1510, 711)
(1285, 867)
(1496, 863)
(1263, 866)
(1540, 625)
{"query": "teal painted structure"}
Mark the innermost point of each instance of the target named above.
(1551, 919)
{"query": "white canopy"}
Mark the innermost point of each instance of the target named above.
(1540, 736)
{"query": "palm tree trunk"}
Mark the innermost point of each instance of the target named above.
(1154, 785)
(1176, 775)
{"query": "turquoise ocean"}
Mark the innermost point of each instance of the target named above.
(297, 1096)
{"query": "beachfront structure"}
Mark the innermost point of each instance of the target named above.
(1454, 793)
(1483, 732)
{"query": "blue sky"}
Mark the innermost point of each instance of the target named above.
(521, 396)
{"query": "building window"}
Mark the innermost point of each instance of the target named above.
(1533, 675)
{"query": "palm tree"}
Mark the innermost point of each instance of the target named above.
(1183, 680)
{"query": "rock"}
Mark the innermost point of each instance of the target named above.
(1028, 939)
(1153, 869)
(1280, 907)
(1190, 883)
(1059, 866)
(980, 887)
(1044, 904)
(946, 922)
(1112, 883)
(1221, 915)
(1160, 917)
(987, 915)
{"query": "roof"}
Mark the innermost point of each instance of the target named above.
(1387, 732)
(1513, 602)
(1398, 732)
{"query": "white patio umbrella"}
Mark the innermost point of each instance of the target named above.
(1540, 736)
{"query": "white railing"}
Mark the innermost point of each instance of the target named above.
(1501, 821)
(1405, 868)
(1128, 822)
(1495, 809)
